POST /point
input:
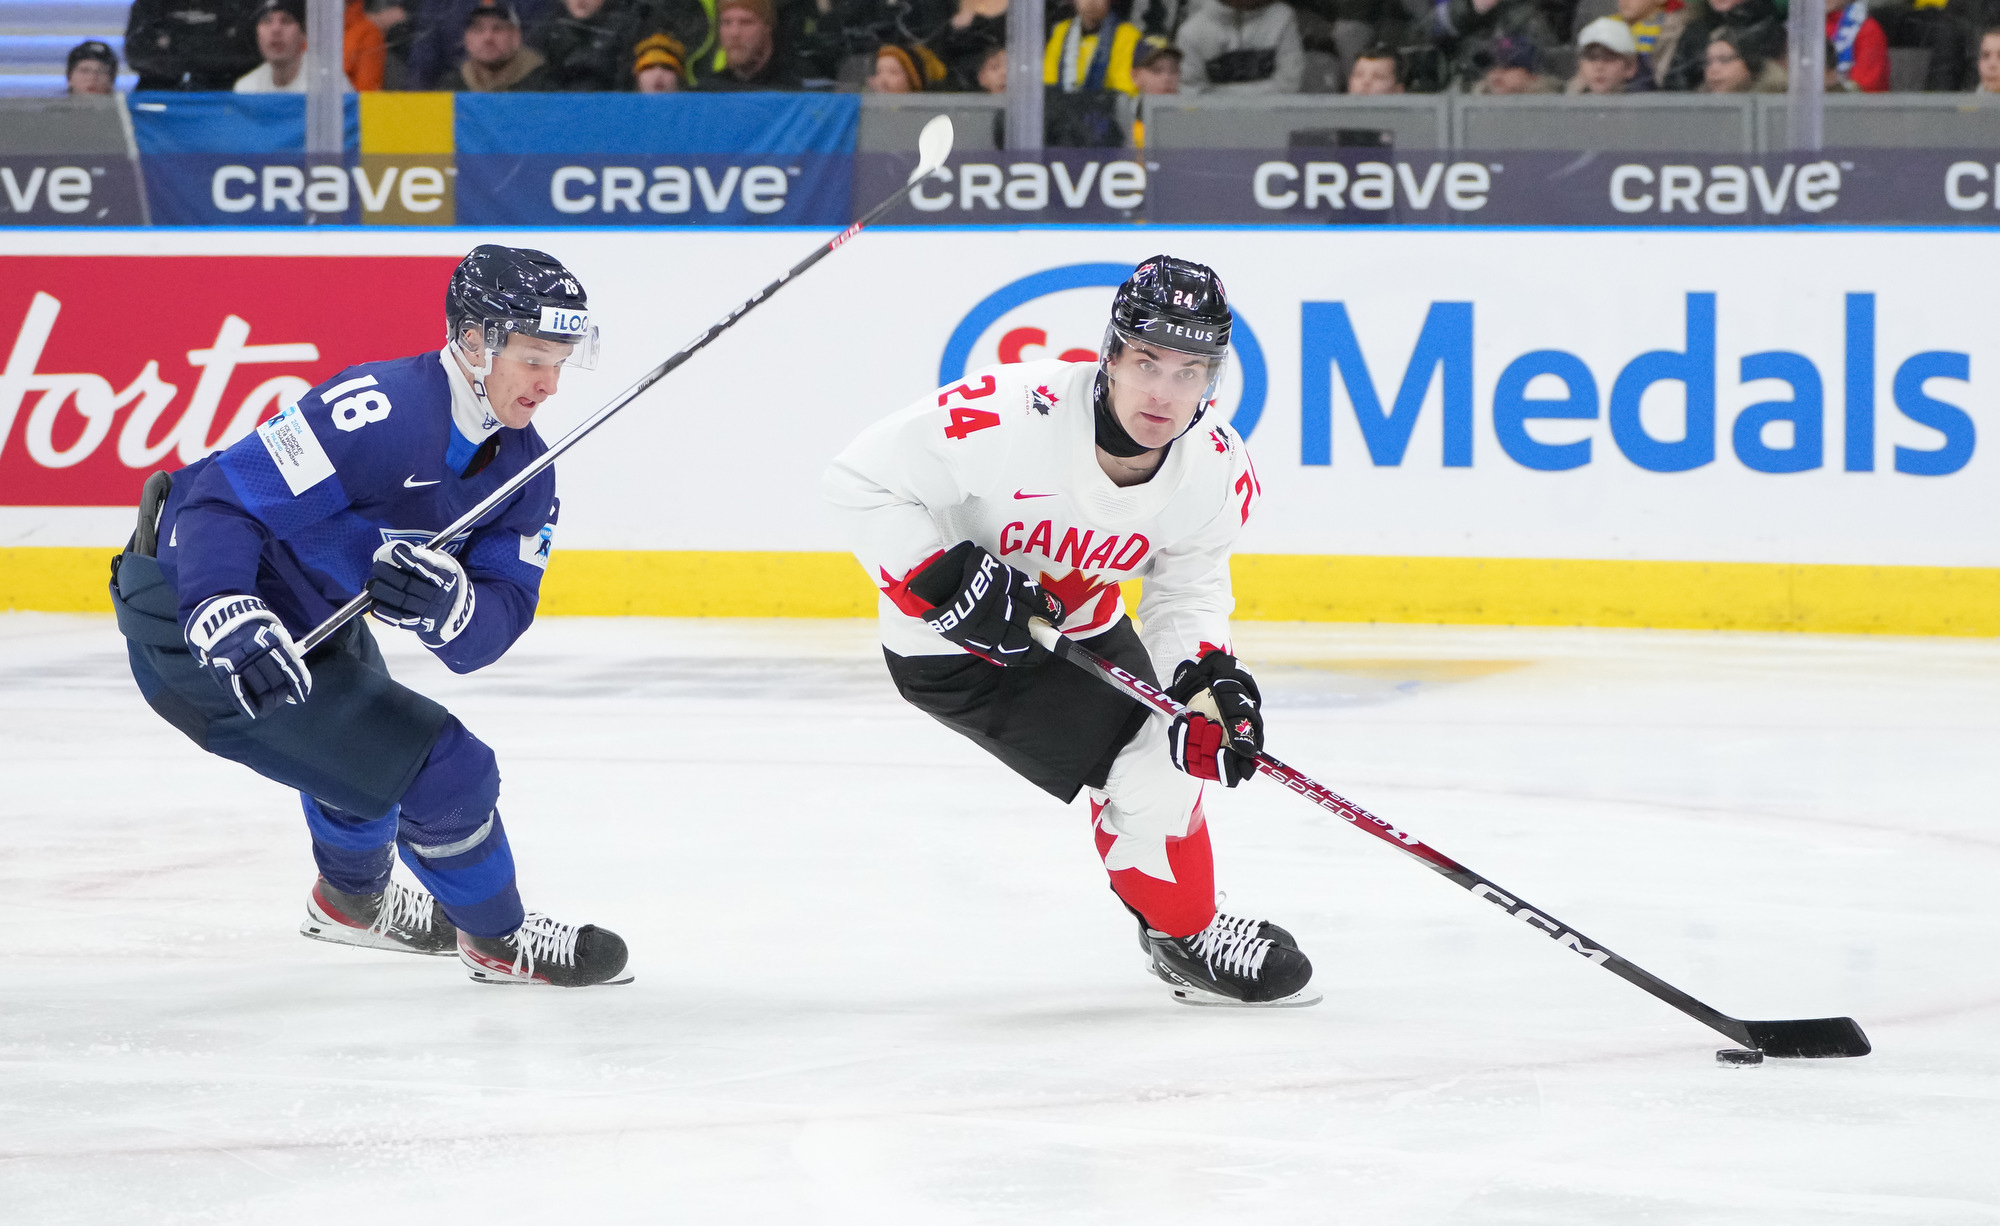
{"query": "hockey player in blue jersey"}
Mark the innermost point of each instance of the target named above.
(244, 551)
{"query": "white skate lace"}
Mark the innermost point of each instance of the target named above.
(402, 907)
(1223, 947)
(542, 939)
(1237, 925)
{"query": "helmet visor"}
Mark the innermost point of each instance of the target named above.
(1172, 376)
(562, 338)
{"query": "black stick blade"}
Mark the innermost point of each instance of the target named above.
(1817, 1038)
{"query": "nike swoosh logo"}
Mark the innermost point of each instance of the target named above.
(1022, 494)
(410, 482)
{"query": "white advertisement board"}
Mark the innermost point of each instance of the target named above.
(1757, 396)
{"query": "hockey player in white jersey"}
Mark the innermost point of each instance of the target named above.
(1031, 491)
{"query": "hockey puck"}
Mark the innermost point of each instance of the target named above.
(1739, 1055)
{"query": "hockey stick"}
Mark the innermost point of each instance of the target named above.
(1808, 1037)
(933, 147)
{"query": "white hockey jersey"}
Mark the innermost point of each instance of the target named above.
(1008, 459)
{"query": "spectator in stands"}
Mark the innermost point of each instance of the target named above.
(363, 56)
(439, 42)
(905, 70)
(1161, 18)
(1860, 49)
(281, 40)
(1735, 65)
(1756, 30)
(191, 44)
(392, 21)
(496, 60)
(1466, 30)
(1656, 27)
(1156, 66)
(1242, 48)
(973, 30)
(1989, 62)
(92, 69)
(746, 32)
(1378, 70)
(1091, 52)
(1513, 66)
(991, 75)
(658, 60)
(1607, 60)
(587, 44)
(1947, 29)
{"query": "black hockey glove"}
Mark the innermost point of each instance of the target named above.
(984, 605)
(1220, 736)
(419, 589)
(249, 653)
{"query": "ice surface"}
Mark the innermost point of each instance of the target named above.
(880, 980)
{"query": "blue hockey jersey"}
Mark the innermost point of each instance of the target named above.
(382, 451)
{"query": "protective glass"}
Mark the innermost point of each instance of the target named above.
(1171, 379)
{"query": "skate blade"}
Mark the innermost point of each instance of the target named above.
(504, 981)
(1304, 998)
(339, 934)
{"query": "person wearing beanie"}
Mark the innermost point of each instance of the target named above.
(657, 63)
(905, 70)
(495, 59)
(281, 40)
(746, 31)
(92, 68)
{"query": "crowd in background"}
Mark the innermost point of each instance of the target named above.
(1097, 51)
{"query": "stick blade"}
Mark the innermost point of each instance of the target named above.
(1818, 1038)
(933, 146)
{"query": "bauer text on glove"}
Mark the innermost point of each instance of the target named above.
(984, 605)
(249, 653)
(419, 589)
(1222, 732)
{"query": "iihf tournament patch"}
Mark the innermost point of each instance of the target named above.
(535, 549)
(295, 450)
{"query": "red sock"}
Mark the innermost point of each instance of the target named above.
(1181, 907)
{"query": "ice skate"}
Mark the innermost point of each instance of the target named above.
(398, 918)
(544, 951)
(1234, 962)
(1263, 929)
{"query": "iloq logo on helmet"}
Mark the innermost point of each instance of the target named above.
(995, 307)
(563, 322)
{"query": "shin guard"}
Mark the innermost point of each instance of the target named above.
(1170, 881)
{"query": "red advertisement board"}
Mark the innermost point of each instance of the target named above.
(120, 365)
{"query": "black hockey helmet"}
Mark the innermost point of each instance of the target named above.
(501, 290)
(1178, 304)
(1166, 303)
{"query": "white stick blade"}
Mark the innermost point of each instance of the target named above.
(933, 146)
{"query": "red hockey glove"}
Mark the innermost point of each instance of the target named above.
(984, 605)
(1221, 736)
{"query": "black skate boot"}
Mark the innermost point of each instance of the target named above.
(1229, 963)
(397, 918)
(1264, 929)
(543, 951)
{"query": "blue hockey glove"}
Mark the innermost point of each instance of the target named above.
(984, 605)
(1221, 736)
(419, 589)
(248, 652)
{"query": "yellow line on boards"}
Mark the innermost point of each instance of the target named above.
(1269, 587)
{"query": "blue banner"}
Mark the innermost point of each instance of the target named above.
(620, 190)
(780, 125)
(230, 123)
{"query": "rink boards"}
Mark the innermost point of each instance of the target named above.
(1753, 429)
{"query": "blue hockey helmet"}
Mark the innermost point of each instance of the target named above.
(497, 291)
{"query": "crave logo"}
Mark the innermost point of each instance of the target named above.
(1061, 313)
(118, 366)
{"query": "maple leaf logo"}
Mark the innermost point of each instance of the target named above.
(1221, 443)
(1076, 590)
(1043, 399)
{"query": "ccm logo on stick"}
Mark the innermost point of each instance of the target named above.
(1561, 935)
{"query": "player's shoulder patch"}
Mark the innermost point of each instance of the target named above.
(1040, 399)
(295, 450)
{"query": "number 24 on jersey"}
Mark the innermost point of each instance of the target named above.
(964, 420)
